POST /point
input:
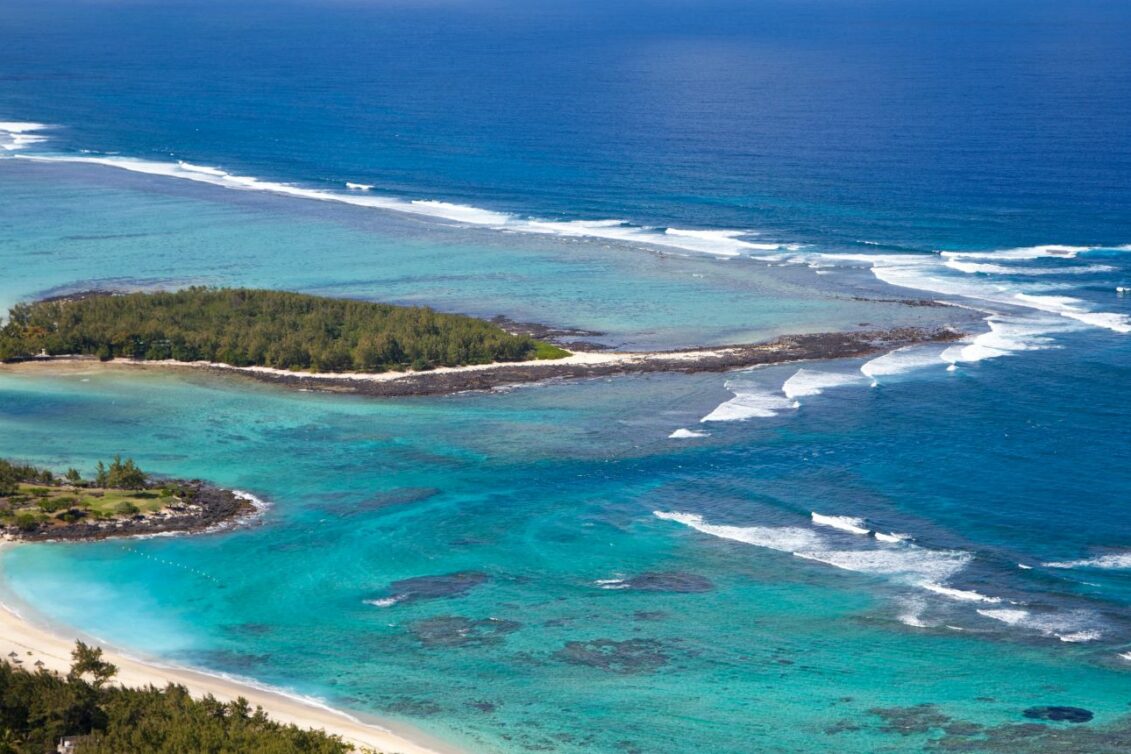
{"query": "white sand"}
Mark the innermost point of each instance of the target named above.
(589, 358)
(31, 642)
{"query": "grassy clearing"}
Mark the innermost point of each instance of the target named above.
(543, 350)
(62, 504)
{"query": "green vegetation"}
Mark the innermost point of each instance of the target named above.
(244, 327)
(38, 709)
(31, 497)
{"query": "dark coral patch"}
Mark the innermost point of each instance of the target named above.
(458, 631)
(627, 657)
(914, 720)
(434, 587)
(1059, 714)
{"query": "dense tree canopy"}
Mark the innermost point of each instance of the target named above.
(245, 327)
(37, 709)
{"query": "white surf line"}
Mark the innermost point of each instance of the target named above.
(714, 242)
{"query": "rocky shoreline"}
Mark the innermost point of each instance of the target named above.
(724, 358)
(202, 507)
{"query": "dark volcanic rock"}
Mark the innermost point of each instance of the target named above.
(631, 656)
(458, 631)
(1059, 714)
(716, 359)
(670, 581)
(435, 587)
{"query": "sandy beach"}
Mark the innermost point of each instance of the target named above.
(32, 643)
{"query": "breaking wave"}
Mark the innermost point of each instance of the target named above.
(1116, 561)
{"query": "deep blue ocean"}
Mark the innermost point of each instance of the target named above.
(887, 554)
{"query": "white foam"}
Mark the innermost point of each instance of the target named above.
(724, 242)
(909, 564)
(912, 613)
(687, 434)
(923, 272)
(844, 523)
(1007, 616)
(1006, 336)
(961, 595)
(781, 538)
(17, 135)
(1026, 252)
(808, 382)
(749, 402)
(986, 268)
(1074, 627)
(1117, 561)
(1074, 308)
(1125, 656)
(384, 602)
(358, 186)
(612, 583)
(891, 537)
(900, 361)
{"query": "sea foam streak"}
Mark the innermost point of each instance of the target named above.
(911, 565)
(844, 523)
(720, 243)
(1117, 561)
(781, 538)
(16, 135)
(926, 273)
(907, 563)
(1074, 627)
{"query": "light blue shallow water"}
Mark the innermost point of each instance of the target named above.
(985, 129)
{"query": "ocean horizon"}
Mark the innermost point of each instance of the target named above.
(909, 550)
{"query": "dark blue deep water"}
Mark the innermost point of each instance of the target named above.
(895, 553)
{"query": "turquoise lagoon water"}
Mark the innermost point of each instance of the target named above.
(577, 579)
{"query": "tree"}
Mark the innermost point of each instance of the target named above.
(73, 476)
(125, 475)
(86, 659)
(9, 481)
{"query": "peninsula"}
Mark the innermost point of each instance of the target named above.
(340, 345)
(121, 500)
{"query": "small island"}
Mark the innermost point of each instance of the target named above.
(120, 500)
(244, 327)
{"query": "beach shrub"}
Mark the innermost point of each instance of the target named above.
(245, 327)
(28, 521)
(55, 504)
(126, 508)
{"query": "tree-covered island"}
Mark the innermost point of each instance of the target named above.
(246, 327)
(119, 499)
